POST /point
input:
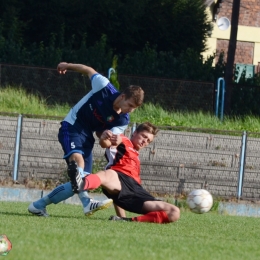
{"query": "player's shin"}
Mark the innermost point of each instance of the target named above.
(60, 193)
(91, 182)
(84, 198)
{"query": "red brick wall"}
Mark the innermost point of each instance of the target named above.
(244, 51)
(249, 14)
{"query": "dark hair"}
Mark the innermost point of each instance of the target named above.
(134, 92)
(150, 128)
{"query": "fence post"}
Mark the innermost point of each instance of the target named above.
(242, 165)
(110, 70)
(17, 147)
(133, 129)
(222, 92)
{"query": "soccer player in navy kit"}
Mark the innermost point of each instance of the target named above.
(101, 109)
(121, 180)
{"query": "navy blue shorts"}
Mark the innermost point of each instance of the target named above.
(75, 141)
(132, 195)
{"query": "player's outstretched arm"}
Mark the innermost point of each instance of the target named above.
(119, 211)
(83, 69)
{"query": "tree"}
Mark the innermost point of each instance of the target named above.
(169, 25)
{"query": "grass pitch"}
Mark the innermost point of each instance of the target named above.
(68, 235)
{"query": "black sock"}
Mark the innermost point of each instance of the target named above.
(127, 219)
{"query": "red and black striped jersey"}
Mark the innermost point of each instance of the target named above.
(124, 158)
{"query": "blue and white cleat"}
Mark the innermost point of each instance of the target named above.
(95, 205)
(37, 212)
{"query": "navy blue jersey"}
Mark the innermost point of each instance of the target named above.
(95, 110)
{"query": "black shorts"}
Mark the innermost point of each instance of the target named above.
(132, 195)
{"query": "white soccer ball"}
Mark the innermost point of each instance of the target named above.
(200, 201)
(5, 245)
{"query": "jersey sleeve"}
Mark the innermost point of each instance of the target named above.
(118, 129)
(98, 82)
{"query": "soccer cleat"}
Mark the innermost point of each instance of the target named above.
(116, 218)
(95, 205)
(75, 178)
(37, 212)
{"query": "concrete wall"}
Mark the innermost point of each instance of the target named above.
(175, 163)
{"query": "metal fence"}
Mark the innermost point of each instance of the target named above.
(178, 161)
(171, 94)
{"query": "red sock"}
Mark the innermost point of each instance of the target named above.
(92, 181)
(155, 217)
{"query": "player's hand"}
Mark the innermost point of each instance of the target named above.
(116, 140)
(107, 134)
(62, 67)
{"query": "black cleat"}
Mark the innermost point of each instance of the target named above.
(74, 175)
(116, 218)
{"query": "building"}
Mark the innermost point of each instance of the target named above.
(248, 36)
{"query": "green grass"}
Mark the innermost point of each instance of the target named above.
(156, 115)
(68, 234)
(16, 100)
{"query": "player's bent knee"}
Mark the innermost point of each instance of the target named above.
(76, 157)
(174, 214)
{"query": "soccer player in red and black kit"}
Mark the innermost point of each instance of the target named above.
(121, 180)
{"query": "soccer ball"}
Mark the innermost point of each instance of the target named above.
(5, 245)
(200, 201)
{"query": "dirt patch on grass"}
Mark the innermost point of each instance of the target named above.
(30, 184)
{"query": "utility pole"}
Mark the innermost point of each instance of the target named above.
(229, 71)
